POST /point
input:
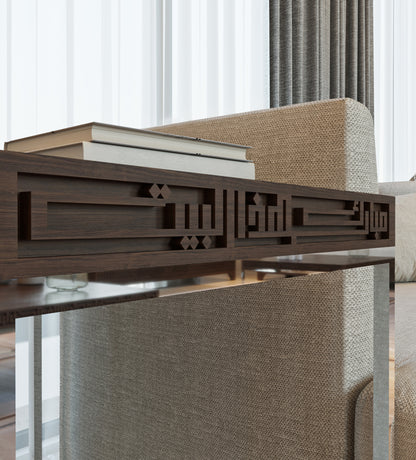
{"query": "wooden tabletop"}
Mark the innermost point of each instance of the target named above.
(61, 216)
(316, 262)
(26, 300)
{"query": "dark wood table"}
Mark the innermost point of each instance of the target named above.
(17, 300)
(59, 216)
(62, 216)
(178, 272)
(314, 263)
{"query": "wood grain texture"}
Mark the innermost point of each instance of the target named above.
(17, 301)
(66, 216)
(176, 272)
(315, 263)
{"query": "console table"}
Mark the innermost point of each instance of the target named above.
(314, 263)
(62, 216)
(19, 301)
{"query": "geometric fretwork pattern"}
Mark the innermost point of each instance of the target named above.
(67, 216)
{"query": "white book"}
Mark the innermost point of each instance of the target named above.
(150, 158)
(110, 134)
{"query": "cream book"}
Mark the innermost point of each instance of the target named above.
(150, 158)
(110, 134)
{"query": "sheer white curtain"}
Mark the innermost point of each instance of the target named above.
(137, 63)
(131, 62)
(395, 88)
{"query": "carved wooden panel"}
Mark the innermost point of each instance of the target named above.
(60, 215)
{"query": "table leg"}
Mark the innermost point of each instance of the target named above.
(35, 387)
(7, 395)
(381, 363)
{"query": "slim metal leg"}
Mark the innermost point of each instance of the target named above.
(381, 363)
(35, 387)
(7, 398)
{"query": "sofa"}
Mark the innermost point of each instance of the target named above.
(405, 248)
(242, 372)
(404, 427)
(264, 370)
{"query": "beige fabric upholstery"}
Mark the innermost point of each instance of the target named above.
(371, 440)
(405, 371)
(405, 251)
(404, 430)
(405, 324)
(363, 441)
(397, 188)
(404, 426)
(321, 144)
(265, 371)
(258, 371)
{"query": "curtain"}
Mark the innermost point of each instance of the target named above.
(136, 63)
(320, 50)
(394, 88)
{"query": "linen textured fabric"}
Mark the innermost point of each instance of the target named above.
(405, 325)
(405, 249)
(323, 144)
(371, 440)
(321, 50)
(363, 440)
(241, 372)
(319, 144)
(404, 429)
(404, 425)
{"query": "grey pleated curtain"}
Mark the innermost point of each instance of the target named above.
(321, 49)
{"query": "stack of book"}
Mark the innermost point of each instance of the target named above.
(138, 147)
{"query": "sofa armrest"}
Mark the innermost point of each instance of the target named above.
(397, 188)
(322, 144)
(405, 234)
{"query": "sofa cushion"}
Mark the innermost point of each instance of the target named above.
(405, 238)
(405, 193)
(319, 144)
(259, 371)
(397, 188)
(404, 428)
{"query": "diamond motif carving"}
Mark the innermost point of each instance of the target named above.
(194, 242)
(157, 191)
(185, 242)
(126, 217)
(165, 192)
(207, 242)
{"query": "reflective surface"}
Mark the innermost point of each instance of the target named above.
(49, 365)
